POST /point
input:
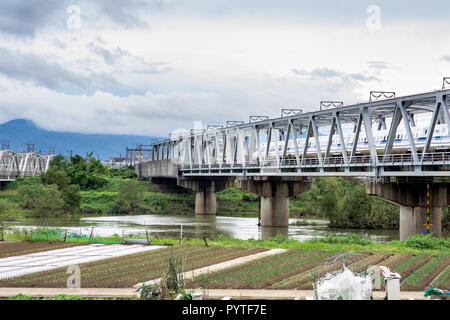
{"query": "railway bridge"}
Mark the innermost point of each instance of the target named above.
(23, 164)
(400, 145)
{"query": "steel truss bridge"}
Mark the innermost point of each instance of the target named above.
(24, 164)
(229, 150)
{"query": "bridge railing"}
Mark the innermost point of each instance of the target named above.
(436, 158)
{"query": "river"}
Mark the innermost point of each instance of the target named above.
(199, 226)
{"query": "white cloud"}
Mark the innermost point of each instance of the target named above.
(149, 68)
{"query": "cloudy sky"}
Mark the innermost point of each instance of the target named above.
(149, 67)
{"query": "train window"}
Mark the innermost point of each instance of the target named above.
(384, 138)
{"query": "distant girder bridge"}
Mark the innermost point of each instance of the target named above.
(24, 164)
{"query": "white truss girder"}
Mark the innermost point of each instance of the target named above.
(296, 145)
(24, 164)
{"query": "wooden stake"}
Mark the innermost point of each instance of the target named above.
(90, 237)
(181, 235)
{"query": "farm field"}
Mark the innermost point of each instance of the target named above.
(126, 271)
(17, 248)
(290, 270)
(294, 270)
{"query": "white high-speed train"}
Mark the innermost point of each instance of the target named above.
(439, 143)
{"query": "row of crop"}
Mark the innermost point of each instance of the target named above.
(443, 280)
(233, 277)
(295, 270)
(129, 270)
(265, 272)
(359, 266)
(422, 276)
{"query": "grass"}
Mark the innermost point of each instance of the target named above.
(351, 243)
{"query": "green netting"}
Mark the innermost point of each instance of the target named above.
(56, 235)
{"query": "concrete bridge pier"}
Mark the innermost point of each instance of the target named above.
(274, 208)
(412, 199)
(205, 192)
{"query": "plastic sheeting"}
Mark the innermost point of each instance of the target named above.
(344, 286)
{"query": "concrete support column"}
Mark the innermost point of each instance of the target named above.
(413, 199)
(413, 221)
(407, 225)
(420, 218)
(205, 203)
(274, 208)
(205, 192)
(274, 211)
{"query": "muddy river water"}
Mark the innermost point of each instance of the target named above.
(199, 226)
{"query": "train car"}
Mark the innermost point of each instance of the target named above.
(439, 143)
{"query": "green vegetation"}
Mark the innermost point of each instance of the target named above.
(345, 204)
(443, 281)
(85, 187)
(427, 272)
(409, 263)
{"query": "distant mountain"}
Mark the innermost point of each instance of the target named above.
(21, 132)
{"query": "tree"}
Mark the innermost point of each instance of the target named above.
(44, 201)
(59, 162)
(129, 195)
(71, 197)
(70, 193)
(4, 210)
(55, 176)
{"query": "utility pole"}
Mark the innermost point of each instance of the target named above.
(30, 147)
(5, 145)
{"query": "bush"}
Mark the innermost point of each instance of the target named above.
(72, 198)
(345, 203)
(125, 172)
(129, 196)
(55, 176)
(44, 201)
(4, 210)
(421, 241)
(88, 173)
(351, 239)
(250, 197)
